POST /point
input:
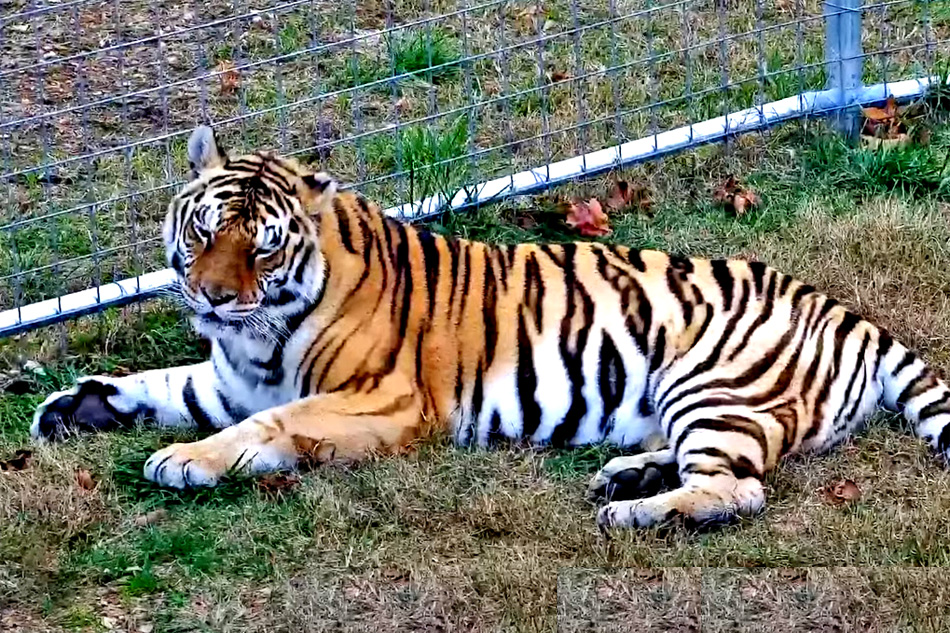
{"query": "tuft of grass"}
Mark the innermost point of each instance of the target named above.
(433, 157)
(432, 54)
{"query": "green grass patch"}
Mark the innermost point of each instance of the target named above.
(431, 157)
(432, 54)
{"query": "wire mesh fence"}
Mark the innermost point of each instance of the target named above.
(406, 98)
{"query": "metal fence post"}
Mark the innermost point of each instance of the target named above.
(844, 59)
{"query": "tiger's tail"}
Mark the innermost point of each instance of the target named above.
(911, 387)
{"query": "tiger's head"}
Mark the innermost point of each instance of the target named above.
(242, 235)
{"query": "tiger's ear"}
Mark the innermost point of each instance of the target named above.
(317, 191)
(204, 151)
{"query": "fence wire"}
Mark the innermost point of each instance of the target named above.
(406, 98)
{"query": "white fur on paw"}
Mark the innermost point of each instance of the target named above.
(201, 464)
(174, 467)
(624, 514)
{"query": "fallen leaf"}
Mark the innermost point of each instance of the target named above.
(735, 197)
(588, 218)
(402, 104)
(230, 78)
(557, 76)
(277, 484)
(20, 460)
(625, 194)
(841, 492)
(151, 518)
(886, 122)
(84, 479)
(888, 112)
(526, 221)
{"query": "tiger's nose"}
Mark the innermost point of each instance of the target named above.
(218, 295)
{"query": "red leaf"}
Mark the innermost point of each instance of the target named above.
(625, 194)
(735, 197)
(841, 492)
(277, 484)
(588, 218)
(84, 479)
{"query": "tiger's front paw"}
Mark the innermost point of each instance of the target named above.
(89, 406)
(205, 462)
(186, 466)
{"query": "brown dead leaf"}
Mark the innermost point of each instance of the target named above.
(887, 113)
(230, 78)
(277, 484)
(402, 104)
(841, 492)
(151, 518)
(20, 461)
(556, 76)
(588, 218)
(84, 479)
(625, 194)
(735, 197)
(526, 221)
(888, 122)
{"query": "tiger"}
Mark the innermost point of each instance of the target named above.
(339, 333)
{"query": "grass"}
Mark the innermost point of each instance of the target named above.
(459, 539)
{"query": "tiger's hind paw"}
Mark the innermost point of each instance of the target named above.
(634, 477)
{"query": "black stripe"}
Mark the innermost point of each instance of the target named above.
(943, 442)
(786, 282)
(660, 349)
(730, 423)
(201, 419)
(343, 223)
(236, 412)
(633, 256)
(534, 290)
(565, 431)
(766, 314)
(673, 282)
(723, 276)
(909, 358)
(527, 381)
(758, 276)
(936, 407)
(494, 429)
(750, 375)
(883, 347)
(489, 310)
(911, 390)
(854, 376)
(466, 278)
(430, 261)
(304, 263)
(800, 292)
(612, 379)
